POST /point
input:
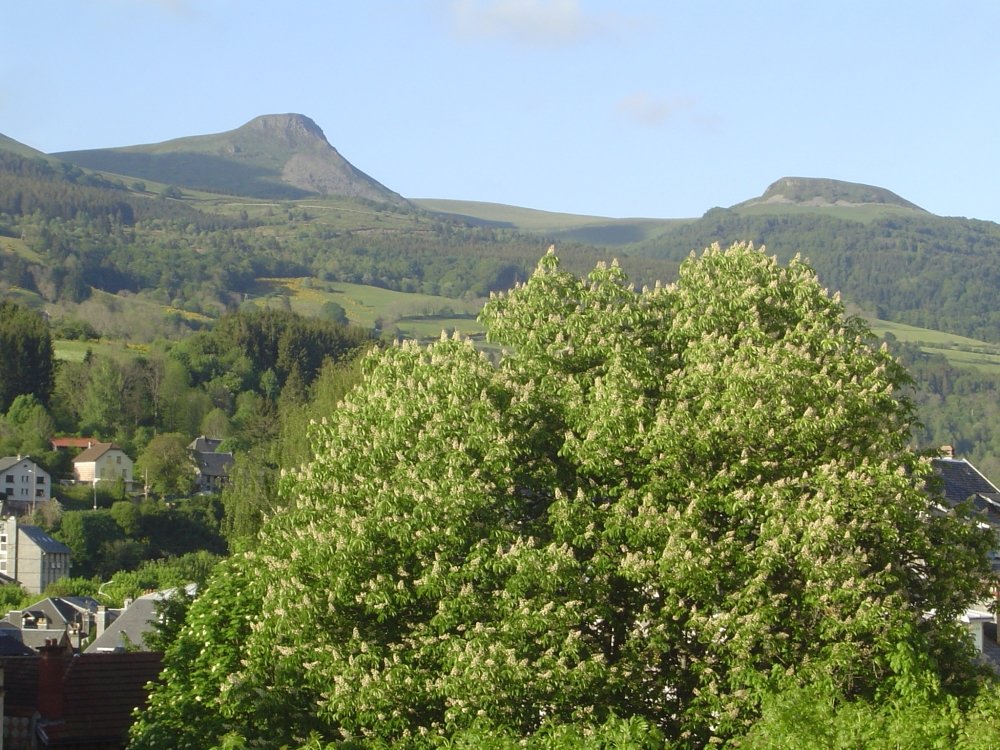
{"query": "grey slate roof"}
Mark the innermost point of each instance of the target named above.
(43, 540)
(214, 464)
(63, 609)
(961, 481)
(131, 626)
(11, 643)
(202, 444)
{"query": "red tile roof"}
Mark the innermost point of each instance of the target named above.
(72, 442)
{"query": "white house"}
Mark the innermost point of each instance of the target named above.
(22, 481)
(103, 462)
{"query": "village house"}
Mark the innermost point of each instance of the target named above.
(24, 482)
(962, 482)
(211, 466)
(67, 620)
(103, 462)
(31, 557)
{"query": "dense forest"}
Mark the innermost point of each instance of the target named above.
(912, 268)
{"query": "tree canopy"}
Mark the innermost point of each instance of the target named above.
(26, 353)
(658, 510)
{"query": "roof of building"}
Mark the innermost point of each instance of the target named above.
(43, 540)
(72, 442)
(95, 451)
(961, 481)
(8, 461)
(12, 644)
(63, 609)
(100, 693)
(202, 444)
(213, 464)
(130, 628)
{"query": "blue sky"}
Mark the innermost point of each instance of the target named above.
(658, 108)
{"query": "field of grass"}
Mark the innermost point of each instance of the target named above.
(960, 351)
(75, 351)
(18, 247)
(420, 316)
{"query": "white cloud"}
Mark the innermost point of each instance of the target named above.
(181, 8)
(534, 22)
(652, 111)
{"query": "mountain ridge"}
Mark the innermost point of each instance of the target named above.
(820, 191)
(278, 156)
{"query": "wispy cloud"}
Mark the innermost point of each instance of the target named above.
(179, 8)
(654, 111)
(535, 22)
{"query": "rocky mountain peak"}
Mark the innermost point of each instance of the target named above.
(291, 129)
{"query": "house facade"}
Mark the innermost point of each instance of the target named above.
(211, 465)
(30, 556)
(103, 462)
(24, 482)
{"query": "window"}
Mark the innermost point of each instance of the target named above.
(10, 492)
(118, 459)
(40, 480)
(39, 493)
(10, 479)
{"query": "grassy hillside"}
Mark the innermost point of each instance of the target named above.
(273, 156)
(960, 351)
(594, 230)
(410, 315)
(16, 147)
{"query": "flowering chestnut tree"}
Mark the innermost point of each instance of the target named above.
(658, 508)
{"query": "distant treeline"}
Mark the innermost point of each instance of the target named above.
(920, 269)
(85, 232)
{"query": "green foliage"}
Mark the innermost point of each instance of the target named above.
(27, 427)
(167, 466)
(87, 533)
(819, 717)
(27, 355)
(335, 312)
(13, 596)
(76, 586)
(130, 534)
(662, 506)
(156, 575)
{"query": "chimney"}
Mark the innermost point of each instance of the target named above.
(16, 618)
(947, 451)
(51, 670)
(103, 620)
